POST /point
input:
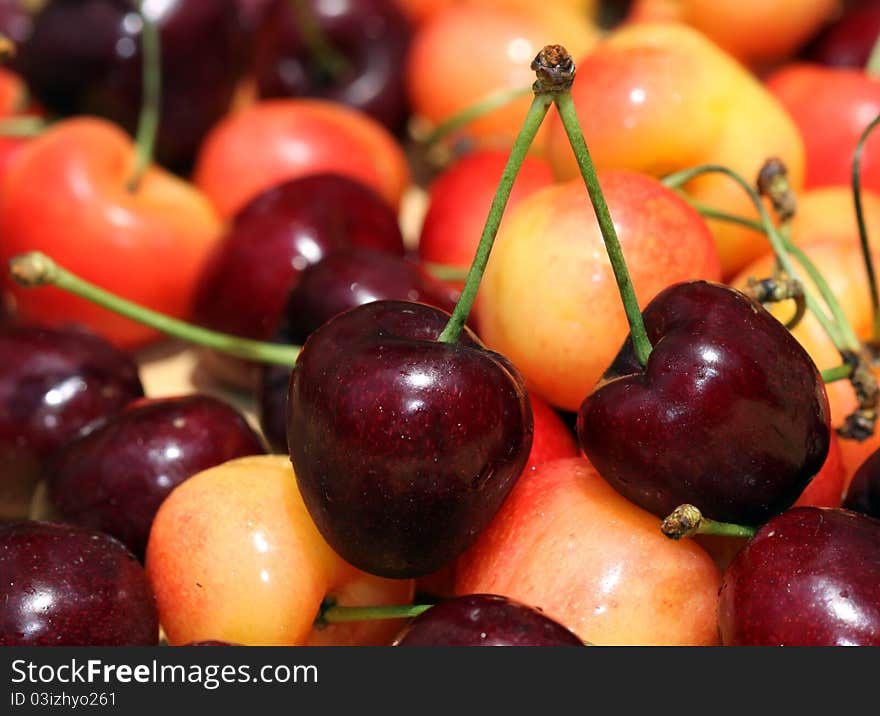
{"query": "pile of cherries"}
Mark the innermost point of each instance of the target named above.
(422, 463)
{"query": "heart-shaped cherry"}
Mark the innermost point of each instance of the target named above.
(729, 414)
(404, 447)
(809, 577)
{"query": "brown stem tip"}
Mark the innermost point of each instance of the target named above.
(554, 68)
(773, 183)
(684, 521)
(775, 290)
(861, 424)
(32, 269)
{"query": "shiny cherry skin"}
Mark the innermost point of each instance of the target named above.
(96, 69)
(56, 384)
(863, 492)
(372, 37)
(246, 280)
(66, 585)
(345, 279)
(809, 577)
(484, 620)
(404, 448)
(115, 478)
(730, 414)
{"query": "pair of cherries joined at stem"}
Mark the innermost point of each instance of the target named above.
(406, 434)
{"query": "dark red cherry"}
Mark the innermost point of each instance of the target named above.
(403, 447)
(65, 585)
(730, 414)
(244, 286)
(210, 643)
(344, 279)
(848, 40)
(115, 478)
(84, 57)
(372, 38)
(863, 492)
(56, 384)
(809, 577)
(484, 620)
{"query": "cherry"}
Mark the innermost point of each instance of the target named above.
(85, 58)
(484, 620)
(345, 279)
(360, 63)
(56, 384)
(65, 585)
(404, 447)
(849, 39)
(244, 286)
(729, 414)
(115, 478)
(809, 577)
(863, 492)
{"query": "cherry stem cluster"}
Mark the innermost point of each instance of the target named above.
(151, 102)
(36, 269)
(837, 325)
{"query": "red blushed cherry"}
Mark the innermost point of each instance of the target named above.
(65, 585)
(484, 620)
(245, 282)
(371, 37)
(56, 384)
(730, 413)
(345, 279)
(459, 199)
(404, 447)
(115, 478)
(809, 577)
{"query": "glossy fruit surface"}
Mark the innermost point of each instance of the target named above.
(247, 513)
(730, 414)
(343, 280)
(70, 586)
(549, 300)
(115, 478)
(372, 38)
(567, 543)
(271, 141)
(404, 447)
(484, 620)
(56, 384)
(98, 69)
(809, 577)
(67, 195)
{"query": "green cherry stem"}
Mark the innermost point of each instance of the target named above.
(36, 269)
(837, 328)
(860, 220)
(148, 121)
(332, 613)
(687, 521)
(568, 115)
(23, 126)
(537, 111)
(485, 106)
(872, 66)
(838, 372)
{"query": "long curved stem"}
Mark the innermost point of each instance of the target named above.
(475, 111)
(36, 269)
